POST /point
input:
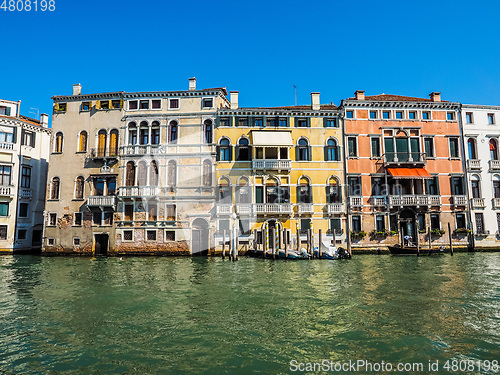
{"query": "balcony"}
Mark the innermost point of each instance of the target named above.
(460, 200)
(136, 191)
(244, 209)
(140, 150)
(272, 164)
(496, 203)
(378, 201)
(477, 203)
(273, 208)
(483, 232)
(356, 201)
(494, 165)
(5, 191)
(224, 209)
(305, 208)
(101, 154)
(6, 146)
(101, 201)
(414, 200)
(402, 158)
(474, 165)
(26, 193)
(335, 208)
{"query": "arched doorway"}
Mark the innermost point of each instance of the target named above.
(199, 237)
(270, 232)
(407, 223)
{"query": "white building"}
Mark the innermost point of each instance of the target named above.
(481, 127)
(24, 154)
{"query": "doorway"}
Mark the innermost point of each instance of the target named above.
(199, 237)
(407, 223)
(101, 244)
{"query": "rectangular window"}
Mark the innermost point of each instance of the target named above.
(460, 220)
(224, 226)
(386, 115)
(421, 222)
(331, 123)
(170, 212)
(432, 186)
(85, 106)
(352, 146)
(259, 122)
(23, 209)
(116, 104)
(26, 177)
(21, 234)
(27, 139)
(52, 219)
(208, 103)
(336, 225)
(244, 227)
(243, 121)
(173, 104)
(356, 223)
(76, 241)
(62, 107)
(104, 104)
(129, 212)
(144, 104)
(170, 235)
(6, 137)
(4, 209)
(305, 225)
(450, 116)
(108, 218)
(151, 235)
(3, 232)
(429, 147)
(5, 172)
(375, 146)
(380, 223)
(373, 114)
(468, 117)
(457, 186)
(156, 104)
(435, 222)
(399, 115)
(496, 189)
(78, 218)
(302, 123)
(354, 184)
(412, 115)
(349, 114)
(454, 151)
(378, 186)
(479, 223)
(271, 122)
(132, 104)
(97, 218)
(127, 235)
(426, 115)
(224, 121)
(283, 122)
(491, 118)
(393, 223)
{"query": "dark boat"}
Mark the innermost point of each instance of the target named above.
(412, 250)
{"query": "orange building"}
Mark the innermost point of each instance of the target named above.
(405, 175)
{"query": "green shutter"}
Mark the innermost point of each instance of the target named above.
(309, 153)
(7, 111)
(325, 120)
(259, 194)
(14, 135)
(453, 150)
(296, 153)
(217, 153)
(230, 148)
(33, 139)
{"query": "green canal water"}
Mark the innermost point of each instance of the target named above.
(199, 315)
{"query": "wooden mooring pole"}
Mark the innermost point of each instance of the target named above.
(298, 240)
(449, 236)
(285, 232)
(223, 244)
(430, 241)
(320, 244)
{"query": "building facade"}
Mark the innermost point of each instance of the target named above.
(481, 139)
(23, 171)
(279, 169)
(405, 172)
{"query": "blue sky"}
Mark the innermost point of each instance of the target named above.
(261, 48)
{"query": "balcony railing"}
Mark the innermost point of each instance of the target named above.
(305, 208)
(335, 208)
(473, 164)
(224, 209)
(140, 149)
(378, 201)
(496, 203)
(5, 191)
(272, 164)
(459, 200)
(356, 201)
(26, 193)
(404, 158)
(477, 203)
(414, 200)
(102, 153)
(494, 165)
(273, 208)
(244, 209)
(102, 200)
(136, 191)
(6, 146)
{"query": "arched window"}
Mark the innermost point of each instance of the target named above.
(243, 151)
(142, 174)
(79, 185)
(55, 188)
(304, 192)
(471, 146)
(208, 131)
(476, 186)
(173, 130)
(303, 150)
(144, 133)
(82, 144)
(493, 149)
(225, 191)
(207, 173)
(113, 143)
(224, 151)
(243, 191)
(153, 174)
(172, 173)
(331, 151)
(130, 174)
(272, 192)
(496, 186)
(152, 210)
(101, 143)
(59, 142)
(155, 133)
(333, 191)
(132, 133)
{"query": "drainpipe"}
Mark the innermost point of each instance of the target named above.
(470, 225)
(346, 189)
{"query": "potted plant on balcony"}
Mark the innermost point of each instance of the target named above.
(437, 232)
(357, 235)
(380, 233)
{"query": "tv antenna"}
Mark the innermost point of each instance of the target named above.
(35, 112)
(295, 89)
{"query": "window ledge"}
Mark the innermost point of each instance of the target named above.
(78, 199)
(56, 153)
(52, 200)
(77, 152)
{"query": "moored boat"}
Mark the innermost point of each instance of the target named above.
(412, 250)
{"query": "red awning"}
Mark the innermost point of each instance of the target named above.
(409, 173)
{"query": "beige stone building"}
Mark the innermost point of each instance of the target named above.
(23, 169)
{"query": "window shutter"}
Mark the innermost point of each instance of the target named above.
(327, 194)
(311, 199)
(325, 120)
(451, 186)
(308, 122)
(33, 139)
(309, 153)
(56, 106)
(217, 121)
(296, 120)
(296, 153)
(7, 111)
(97, 104)
(122, 101)
(14, 135)
(237, 153)
(325, 151)
(22, 137)
(217, 155)
(230, 148)
(297, 194)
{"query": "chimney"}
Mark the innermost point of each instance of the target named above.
(360, 94)
(234, 99)
(192, 84)
(315, 101)
(77, 89)
(44, 120)
(435, 96)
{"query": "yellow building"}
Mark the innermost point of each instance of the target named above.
(279, 168)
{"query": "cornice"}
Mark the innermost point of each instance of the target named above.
(398, 104)
(277, 113)
(24, 125)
